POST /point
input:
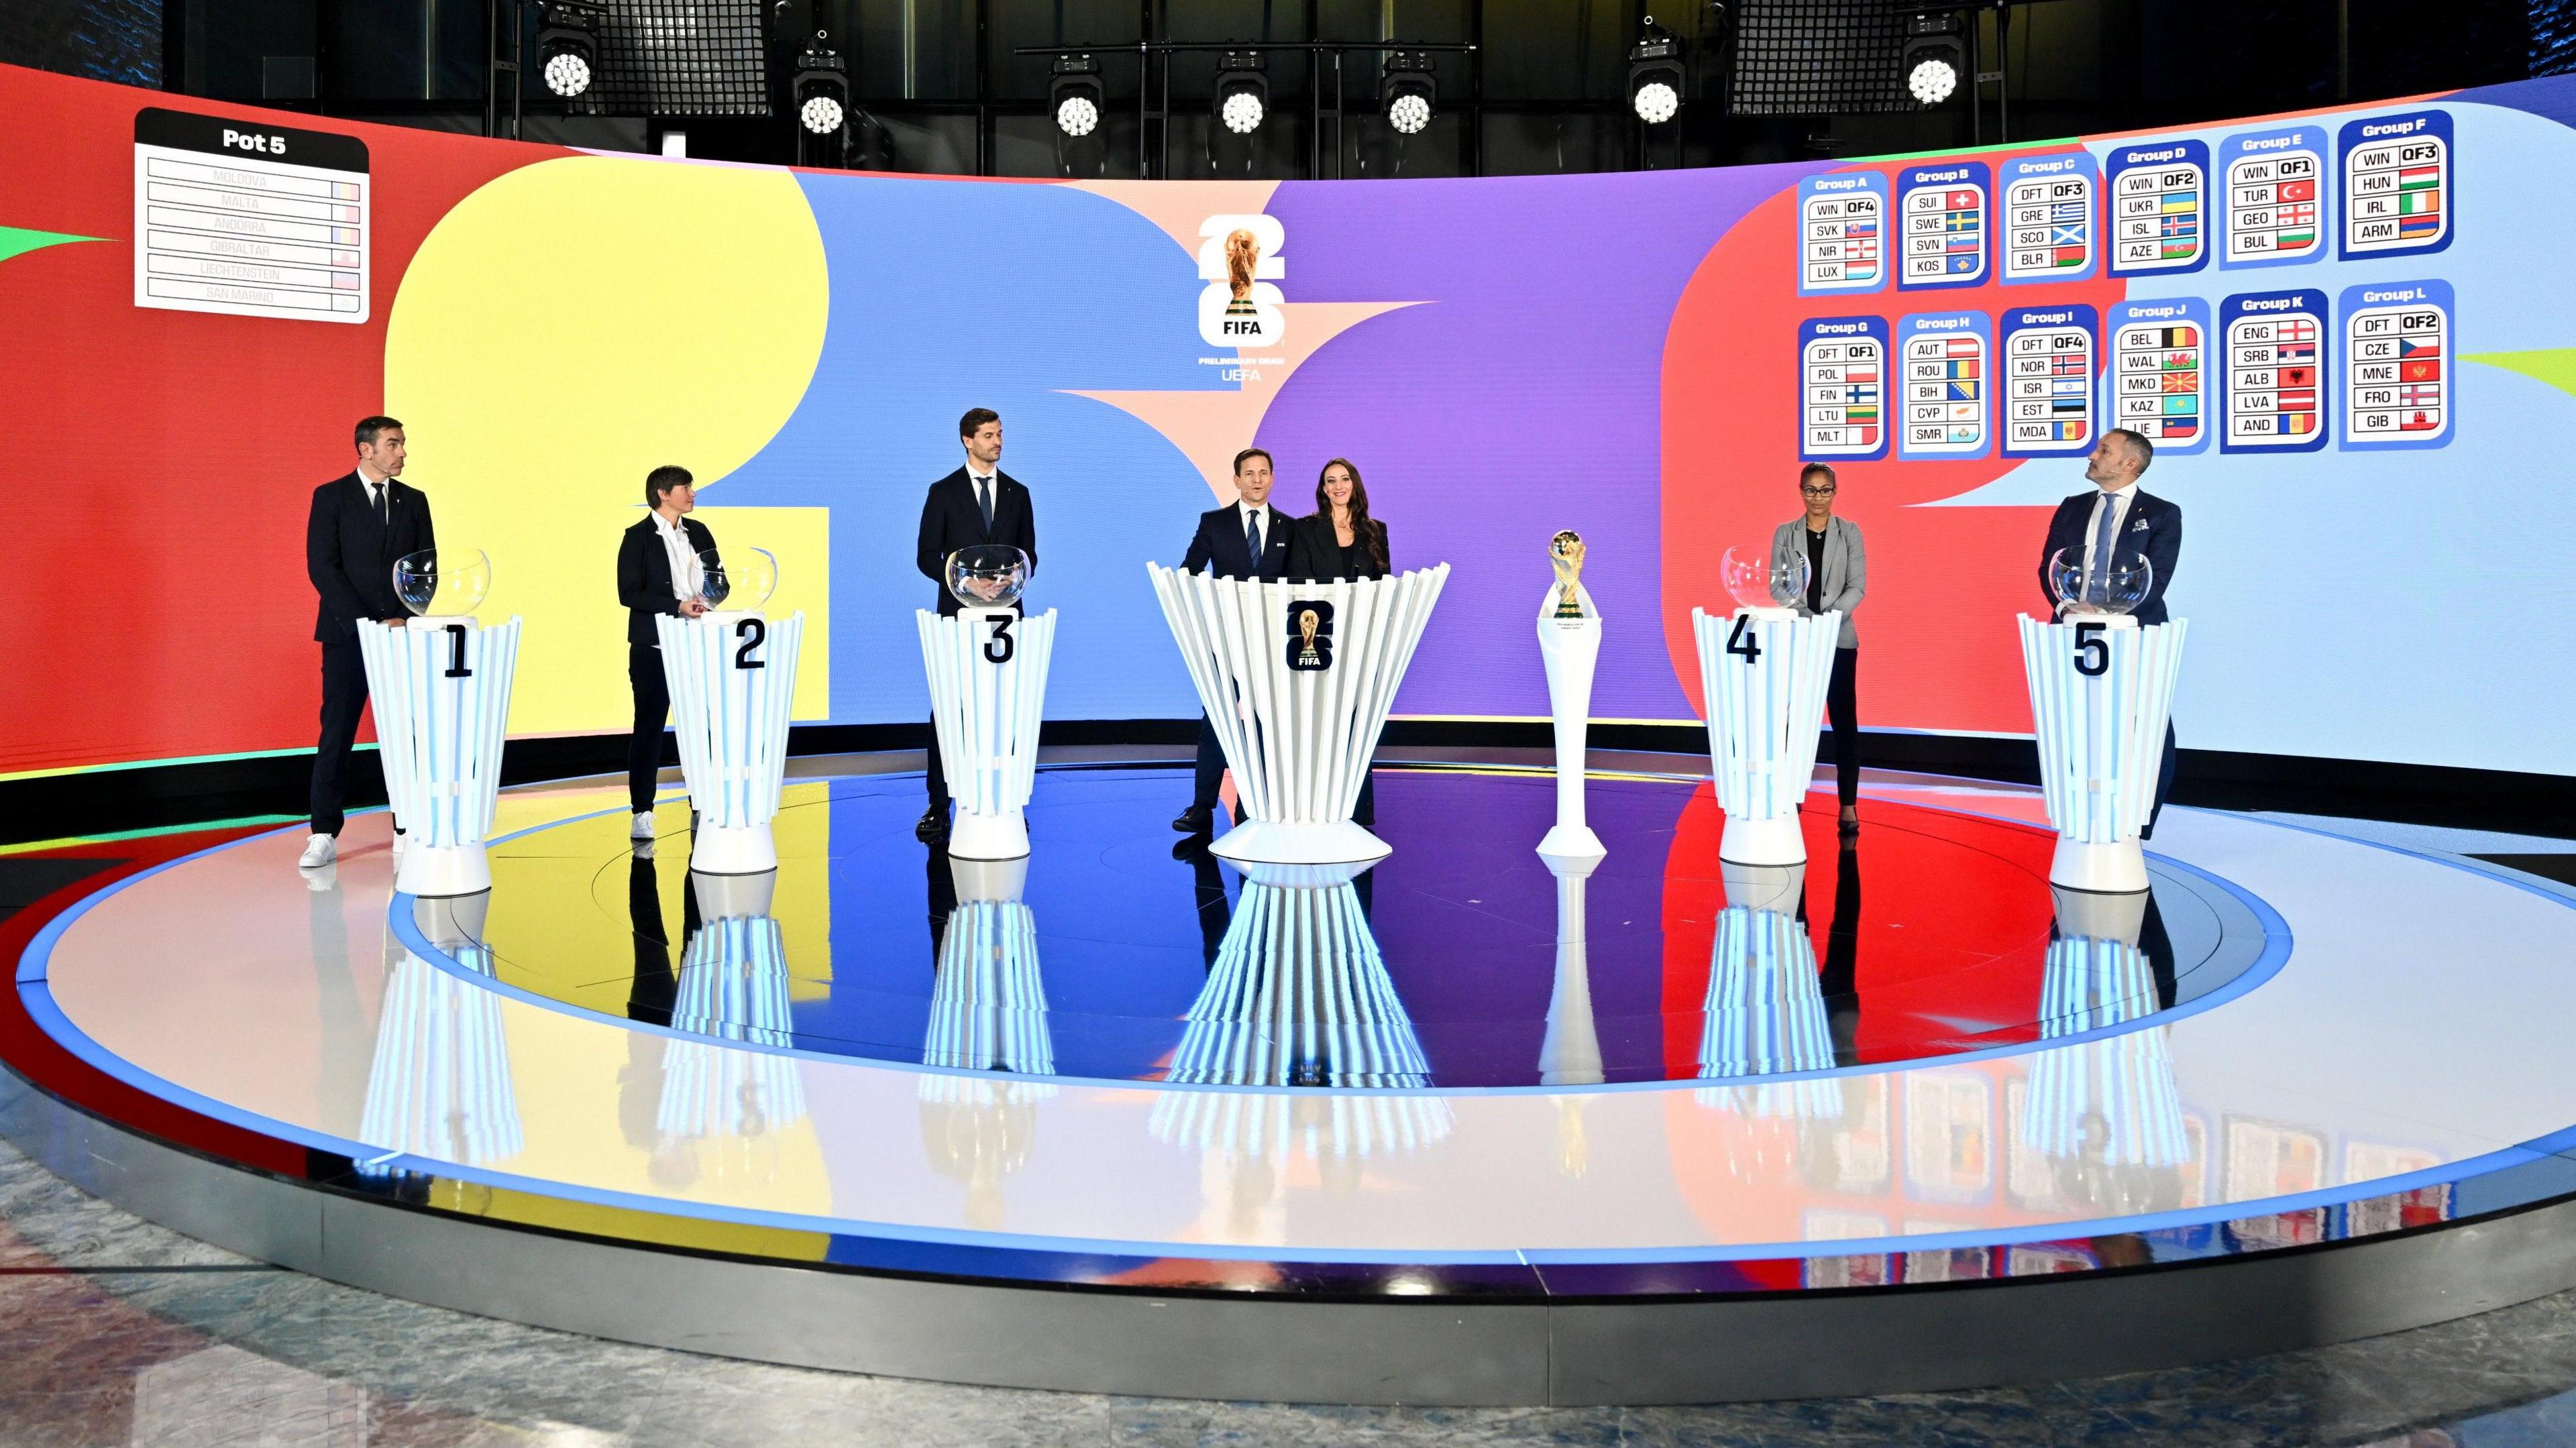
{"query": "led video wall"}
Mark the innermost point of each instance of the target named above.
(2346, 332)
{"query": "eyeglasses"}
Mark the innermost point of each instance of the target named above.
(1823, 492)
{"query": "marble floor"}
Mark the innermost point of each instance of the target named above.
(114, 1331)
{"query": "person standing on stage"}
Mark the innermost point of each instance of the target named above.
(1246, 538)
(2113, 525)
(657, 573)
(1837, 576)
(1341, 541)
(978, 503)
(360, 525)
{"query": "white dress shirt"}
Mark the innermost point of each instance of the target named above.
(1250, 515)
(675, 545)
(2118, 501)
(377, 491)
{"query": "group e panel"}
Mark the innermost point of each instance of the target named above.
(2283, 370)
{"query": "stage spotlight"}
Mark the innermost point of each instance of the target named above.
(568, 48)
(822, 88)
(1242, 94)
(1407, 92)
(1076, 96)
(1934, 58)
(1655, 76)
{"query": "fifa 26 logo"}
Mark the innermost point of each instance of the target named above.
(1240, 261)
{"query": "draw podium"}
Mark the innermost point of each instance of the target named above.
(733, 687)
(1763, 673)
(2101, 694)
(988, 678)
(441, 692)
(1297, 679)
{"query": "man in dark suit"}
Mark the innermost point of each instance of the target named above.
(978, 503)
(2114, 525)
(657, 573)
(1244, 539)
(359, 525)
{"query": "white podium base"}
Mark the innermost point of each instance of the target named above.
(1276, 843)
(1762, 842)
(738, 850)
(2119, 868)
(1003, 836)
(1572, 842)
(435, 872)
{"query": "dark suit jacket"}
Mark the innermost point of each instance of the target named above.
(950, 520)
(350, 556)
(644, 575)
(2153, 527)
(1218, 546)
(1315, 553)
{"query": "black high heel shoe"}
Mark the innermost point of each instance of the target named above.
(1849, 828)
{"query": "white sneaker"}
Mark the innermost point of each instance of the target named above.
(643, 829)
(322, 879)
(318, 851)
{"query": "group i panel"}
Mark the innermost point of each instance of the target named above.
(1842, 367)
(1944, 211)
(2048, 357)
(2275, 196)
(1946, 362)
(2396, 364)
(1842, 222)
(2276, 365)
(2048, 224)
(2158, 371)
(2397, 185)
(2159, 207)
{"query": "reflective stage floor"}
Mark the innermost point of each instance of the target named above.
(1456, 1077)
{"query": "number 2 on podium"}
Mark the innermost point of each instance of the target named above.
(753, 632)
(1742, 642)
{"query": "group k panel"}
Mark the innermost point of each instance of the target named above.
(2101, 693)
(1763, 674)
(441, 691)
(2276, 370)
(733, 686)
(988, 677)
(1297, 679)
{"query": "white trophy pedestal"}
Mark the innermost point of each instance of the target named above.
(441, 692)
(988, 674)
(1569, 1054)
(2101, 694)
(733, 687)
(1570, 648)
(1297, 722)
(1763, 674)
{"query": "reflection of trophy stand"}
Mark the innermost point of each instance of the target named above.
(1569, 644)
(732, 674)
(1570, 1053)
(1297, 714)
(1763, 672)
(988, 676)
(2101, 694)
(440, 685)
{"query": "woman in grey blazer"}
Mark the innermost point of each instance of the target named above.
(1837, 574)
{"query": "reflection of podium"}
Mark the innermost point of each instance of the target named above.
(733, 687)
(988, 1008)
(1297, 712)
(1765, 1014)
(2101, 693)
(439, 1086)
(1299, 995)
(1763, 674)
(2106, 1110)
(988, 677)
(733, 988)
(1570, 647)
(441, 691)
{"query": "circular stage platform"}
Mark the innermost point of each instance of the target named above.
(1457, 1128)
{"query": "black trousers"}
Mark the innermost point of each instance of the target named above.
(937, 774)
(2164, 780)
(1843, 708)
(344, 698)
(652, 717)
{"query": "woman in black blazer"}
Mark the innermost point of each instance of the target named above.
(1341, 542)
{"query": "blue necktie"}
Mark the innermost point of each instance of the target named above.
(984, 501)
(1252, 539)
(2098, 583)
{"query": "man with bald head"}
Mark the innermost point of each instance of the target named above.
(2113, 524)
